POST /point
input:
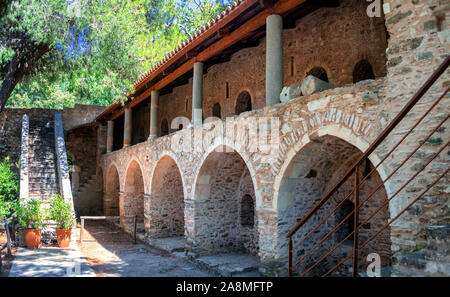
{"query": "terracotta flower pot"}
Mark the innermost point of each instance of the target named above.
(63, 236)
(32, 238)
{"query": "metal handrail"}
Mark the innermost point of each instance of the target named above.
(378, 141)
(97, 218)
(354, 170)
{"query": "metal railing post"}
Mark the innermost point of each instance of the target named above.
(81, 231)
(290, 258)
(135, 228)
(355, 222)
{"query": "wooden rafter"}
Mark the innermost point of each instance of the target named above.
(281, 7)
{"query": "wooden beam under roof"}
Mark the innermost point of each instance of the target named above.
(197, 41)
(281, 7)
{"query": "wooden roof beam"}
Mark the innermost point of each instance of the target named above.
(205, 35)
(244, 30)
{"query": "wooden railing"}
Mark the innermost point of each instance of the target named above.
(354, 173)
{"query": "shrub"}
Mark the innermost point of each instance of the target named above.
(61, 212)
(30, 214)
(9, 186)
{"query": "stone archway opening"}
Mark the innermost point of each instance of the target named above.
(318, 72)
(165, 206)
(112, 193)
(225, 216)
(363, 71)
(243, 103)
(314, 170)
(132, 199)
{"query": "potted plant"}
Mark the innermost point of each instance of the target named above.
(31, 219)
(62, 213)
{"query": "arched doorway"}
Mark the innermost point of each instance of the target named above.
(224, 197)
(313, 171)
(243, 103)
(363, 71)
(166, 203)
(132, 201)
(318, 72)
(112, 192)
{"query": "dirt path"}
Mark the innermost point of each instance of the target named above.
(111, 252)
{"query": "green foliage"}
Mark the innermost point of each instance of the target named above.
(30, 214)
(9, 186)
(61, 212)
(98, 48)
(70, 158)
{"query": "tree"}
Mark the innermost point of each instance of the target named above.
(60, 52)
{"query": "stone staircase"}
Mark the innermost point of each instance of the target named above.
(43, 177)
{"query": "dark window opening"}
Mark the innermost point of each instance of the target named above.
(312, 173)
(247, 211)
(118, 133)
(164, 127)
(348, 226)
(180, 127)
(440, 20)
(187, 105)
(318, 72)
(367, 168)
(216, 112)
(244, 103)
(227, 90)
(363, 71)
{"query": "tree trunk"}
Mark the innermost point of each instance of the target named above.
(12, 78)
(16, 71)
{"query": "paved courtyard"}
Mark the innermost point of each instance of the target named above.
(111, 252)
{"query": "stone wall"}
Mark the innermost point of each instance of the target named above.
(165, 205)
(81, 142)
(335, 39)
(11, 123)
(354, 114)
(420, 36)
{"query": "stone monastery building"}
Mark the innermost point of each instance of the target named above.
(261, 133)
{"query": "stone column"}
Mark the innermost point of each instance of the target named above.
(197, 93)
(128, 127)
(110, 137)
(274, 58)
(154, 115)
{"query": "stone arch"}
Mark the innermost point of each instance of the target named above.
(243, 102)
(222, 144)
(312, 172)
(363, 70)
(112, 192)
(317, 63)
(165, 204)
(132, 200)
(223, 178)
(319, 72)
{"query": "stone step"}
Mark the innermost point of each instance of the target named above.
(229, 265)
